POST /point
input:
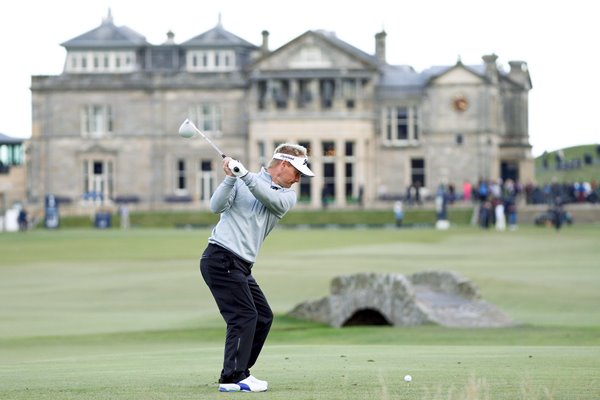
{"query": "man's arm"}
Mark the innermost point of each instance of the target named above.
(223, 196)
(278, 202)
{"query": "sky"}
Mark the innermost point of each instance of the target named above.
(557, 40)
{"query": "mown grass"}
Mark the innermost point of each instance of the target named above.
(89, 314)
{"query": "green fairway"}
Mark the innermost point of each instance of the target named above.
(89, 314)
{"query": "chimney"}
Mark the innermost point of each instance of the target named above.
(380, 47)
(170, 37)
(491, 68)
(264, 48)
(520, 73)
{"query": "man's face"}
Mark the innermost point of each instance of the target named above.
(287, 175)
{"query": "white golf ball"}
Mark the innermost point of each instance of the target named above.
(407, 378)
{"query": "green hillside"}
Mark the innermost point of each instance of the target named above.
(574, 167)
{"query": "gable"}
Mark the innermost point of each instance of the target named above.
(313, 51)
(457, 75)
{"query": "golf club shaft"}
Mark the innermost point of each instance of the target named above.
(214, 146)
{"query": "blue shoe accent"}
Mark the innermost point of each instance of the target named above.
(229, 387)
(244, 387)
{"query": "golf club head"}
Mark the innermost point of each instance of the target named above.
(187, 129)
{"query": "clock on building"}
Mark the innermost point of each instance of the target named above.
(460, 103)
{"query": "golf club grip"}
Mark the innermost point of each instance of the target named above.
(236, 169)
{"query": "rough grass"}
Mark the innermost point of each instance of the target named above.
(88, 314)
(586, 173)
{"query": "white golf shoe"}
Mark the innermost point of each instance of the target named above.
(250, 384)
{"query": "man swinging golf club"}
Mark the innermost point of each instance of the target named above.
(250, 205)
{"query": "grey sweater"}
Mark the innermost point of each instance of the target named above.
(250, 207)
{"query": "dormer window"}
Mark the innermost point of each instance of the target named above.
(86, 62)
(210, 60)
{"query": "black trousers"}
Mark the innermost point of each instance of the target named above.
(243, 307)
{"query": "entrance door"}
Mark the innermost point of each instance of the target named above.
(509, 170)
(98, 175)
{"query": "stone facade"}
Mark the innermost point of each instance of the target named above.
(105, 130)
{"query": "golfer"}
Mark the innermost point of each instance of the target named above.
(250, 205)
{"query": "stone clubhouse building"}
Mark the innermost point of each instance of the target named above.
(104, 131)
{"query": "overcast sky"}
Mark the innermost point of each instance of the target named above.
(557, 39)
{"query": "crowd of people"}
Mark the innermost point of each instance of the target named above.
(568, 192)
(496, 201)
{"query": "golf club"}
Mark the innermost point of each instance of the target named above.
(189, 130)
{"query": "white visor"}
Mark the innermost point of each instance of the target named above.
(300, 163)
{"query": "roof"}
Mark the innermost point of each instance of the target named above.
(107, 35)
(4, 139)
(355, 51)
(217, 37)
(406, 76)
(401, 76)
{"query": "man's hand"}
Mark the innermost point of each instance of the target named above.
(237, 168)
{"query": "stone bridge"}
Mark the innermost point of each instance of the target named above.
(430, 297)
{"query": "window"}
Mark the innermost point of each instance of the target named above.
(349, 92)
(417, 172)
(328, 190)
(280, 92)
(326, 91)
(97, 180)
(118, 61)
(96, 120)
(400, 126)
(349, 171)
(262, 154)
(207, 117)
(210, 60)
(180, 178)
(262, 94)
(11, 154)
(305, 183)
(205, 180)
(304, 93)
(459, 139)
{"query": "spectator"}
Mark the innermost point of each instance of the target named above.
(361, 196)
(398, 213)
(558, 213)
(22, 220)
(484, 214)
(500, 217)
(467, 190)
(441, 203)
(124, 214)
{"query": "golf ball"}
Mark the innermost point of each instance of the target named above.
(407, 378)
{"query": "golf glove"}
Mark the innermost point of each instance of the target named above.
(237, 168)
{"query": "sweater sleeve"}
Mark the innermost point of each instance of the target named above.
(223, 196)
